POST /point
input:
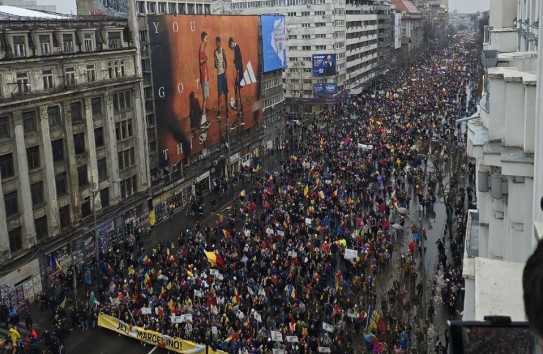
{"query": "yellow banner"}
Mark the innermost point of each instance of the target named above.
(152, 217)
(177, 345)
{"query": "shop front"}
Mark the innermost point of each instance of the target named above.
(202, 184)
(22, 285)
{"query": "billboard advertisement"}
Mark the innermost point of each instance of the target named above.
(325, 88)
(397, 19)
(205, 80)
(117, 8)
(324, 64)
(274, 39)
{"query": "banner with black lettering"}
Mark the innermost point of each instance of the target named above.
(176, 345)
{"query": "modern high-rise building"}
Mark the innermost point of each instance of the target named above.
(342, 34)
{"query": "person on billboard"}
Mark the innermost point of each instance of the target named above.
(204, 78)
(238, 64)
(222, 84)
(329, 68)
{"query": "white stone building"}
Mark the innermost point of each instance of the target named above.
(503, 143)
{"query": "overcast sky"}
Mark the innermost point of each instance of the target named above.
(469, 6)
(465, 6)
(63, 6)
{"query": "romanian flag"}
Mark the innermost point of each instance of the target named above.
(143, 258)
(270, 179)
(171, 303)
(335, 193)
(322, 195)
(234, 336)
(147, 279)
(226, 234)
(62, 301)
(292, 291)
(55, 265)
(211, 257)
(374, 320)
(171, 245)
(242, 193)
(169, 286)
(168, 252)
(306, 190)
(294, 158)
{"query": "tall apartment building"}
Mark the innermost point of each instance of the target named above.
(72, 140)
(504, 146)
(348, 30)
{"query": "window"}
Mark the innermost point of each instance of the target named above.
(104, 197)
(29, 122)
(114, 40)
(58, 150)
(53, 115)
(85, 207)
(99, 137)
(82, 176)
(90, 73)
(291, 14)
(36, 191)
(320, 47)
(141, 7)
(68, 41)
(64, 216)
(4, 127)
(161, 8)
(10, 201)
(19, 46)
(45, 44)
(306, 36)
(76, 112)
(306, 47)
(292, 36)
(79, 143)
(40, 224)
(69, 76)
(306, 25)
(115, 69)
(121, 101)
(172, 8)
(15, 240)
(102, 169)
(143, 35)
(47, 76)
(128, 187)
(33, 157)
(292, 47)
(96, 104)
(6, 166)
(127, 158)
(61, 182)
(151, 7)
(87, 38)
(123, 129)
(23, 84)
(320, 35)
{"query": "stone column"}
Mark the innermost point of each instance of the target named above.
(111, 147)
(4, 241)
(142, 154)
(24, 196)
(49, 184)
(91, 150)
(71, 166)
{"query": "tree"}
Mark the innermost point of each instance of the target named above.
(449, 161)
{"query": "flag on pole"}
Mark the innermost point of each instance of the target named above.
(306, 190)
(62, 301)
(55, 265)
(242, 193)
(226, 234)
(211, 257)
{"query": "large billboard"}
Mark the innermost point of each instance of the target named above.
(324, 64)
(325, 88)
(205, 79)
(274, 39)
(118, 8)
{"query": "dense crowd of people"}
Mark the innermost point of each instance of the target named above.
(305, 250)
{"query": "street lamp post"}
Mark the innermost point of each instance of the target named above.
(94, 192)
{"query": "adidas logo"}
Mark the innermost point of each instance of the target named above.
(248, 76)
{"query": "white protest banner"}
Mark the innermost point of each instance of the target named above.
(324, 350)
(240, 315)
(308, 221)
(220, 276)
(146, 311)
(292, 339)
(176, 319)
(281, 233)
(292, 254)
(327, 327)
(250, 291)
(114, 302)
(350, 254)
(352, 315)
(276, 336)
(278, 351)
(186, 317)
(257, 316)
(328, 181)
(213, 272)
(156, 310)
(214, 330)
(269, 231)
(198, 293)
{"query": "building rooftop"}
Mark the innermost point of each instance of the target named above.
(498, 289)
(17, 13)
(405, 6)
